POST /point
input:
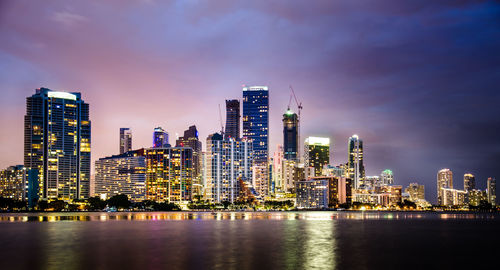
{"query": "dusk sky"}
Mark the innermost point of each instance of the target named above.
(419, 82)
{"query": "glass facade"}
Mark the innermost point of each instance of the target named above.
(160, 138)
(57, 144)
(317, 153)
(355, 164)
(256, 120)
(190, 139)
(290, 135)
(125, 140)
(232, 119)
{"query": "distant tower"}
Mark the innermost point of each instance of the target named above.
(387, 177)
(190, 139)
(355, 165)
(232, 119)
(444, 180)
(469, 182)
(160, 138)
(57, 144)
(317, 153)
(290, 135)
(256, 120)
(492, 191)
(125, 140)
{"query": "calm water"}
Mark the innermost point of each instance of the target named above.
(280, 240)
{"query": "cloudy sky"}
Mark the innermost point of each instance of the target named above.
(418, 81)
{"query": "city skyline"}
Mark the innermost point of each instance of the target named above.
(415, 136)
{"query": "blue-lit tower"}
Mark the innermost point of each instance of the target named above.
(256, 120)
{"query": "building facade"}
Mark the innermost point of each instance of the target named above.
(387, 177)
(57, 144)
(13, 183)
(256, 120)
(469, 182)
(228, 165)
(125, 140)
(444, 180)
(312, 193)
(290, 135)
(355, 164)
(492, 190)
(160, 138)
(416, 192)
(232, 119)
(317, 153)
(191, 139)
(453, 197)
(121, 174)
(169, 174)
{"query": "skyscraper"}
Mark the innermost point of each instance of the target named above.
(444, 180)
(492, 190)
(355, 165)
(190, 139)
(232, 119)
(160, 138)
(228, 166)
(125, 140)
(416, 192)
(387, 177)
(317, 153)
(256, 120)
(57, 144)
(469, 182)
(290, 135)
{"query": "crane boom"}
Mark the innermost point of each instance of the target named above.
(221, 123)
(299, 107)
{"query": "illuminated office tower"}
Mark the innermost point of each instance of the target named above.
(232, 119)
(277, 176)
(122, 174)
(290, 134)
(387, 177)
(355, 165)
(125, 140)
(256, 120)
(416, 192)
(469, 182)
(13, 183)
(444, 180)
(169, 174)
(160, 138)
(57, 144)
(491, 190)
(317, 153)
(190, 139)
(228, 163)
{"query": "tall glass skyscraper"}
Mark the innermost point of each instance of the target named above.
(232, 119)
(444, 181)
(469, 182)
(190, 139)
(355, 165)
(317, 153)
(290, 135)
(256, 120)
(125, 140)
(160, 138)
(57, 144)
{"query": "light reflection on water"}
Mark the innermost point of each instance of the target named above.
(154, 216)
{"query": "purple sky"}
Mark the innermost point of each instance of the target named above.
(418, 82)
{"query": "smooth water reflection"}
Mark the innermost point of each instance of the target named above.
(244, 240)
(156, 216)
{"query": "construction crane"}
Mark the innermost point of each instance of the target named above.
(221, 123)
(299, 108)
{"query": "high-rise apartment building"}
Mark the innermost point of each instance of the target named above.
(469, 182)
(256, 120)
(277, 170)
(491, 190)
(317, 153)
(57, 144)
(444, 180)
(290, 135)
(355, 164)
(387, 177)
(122, 174)
(169, 174)
(13, 181)
(160, 138)
(228, 165)
(232, 119)
(416, 192)
(191, 139)
(125, 140)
